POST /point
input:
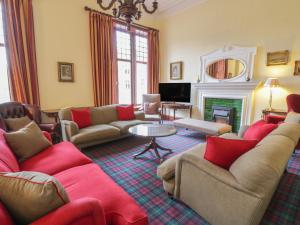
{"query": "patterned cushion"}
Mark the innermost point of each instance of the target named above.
(31, 195)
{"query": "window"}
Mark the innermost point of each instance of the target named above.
(4, 88)
(132, 57)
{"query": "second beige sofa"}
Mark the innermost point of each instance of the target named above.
(105, 126)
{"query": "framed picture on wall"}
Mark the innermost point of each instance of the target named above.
(176, 70)
(278, 58)
(65, 72)
(297, 68)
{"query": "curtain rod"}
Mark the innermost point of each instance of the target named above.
(119, 20)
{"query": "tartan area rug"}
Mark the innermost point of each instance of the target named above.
(138, 178)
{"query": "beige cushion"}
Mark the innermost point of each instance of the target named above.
(232, 136)
(125, 125)
(104, 115)
(292, 117)
(30, 195)
(27, 141)
(15, 124)
(290, 130)
(94, 133)
(206, 127)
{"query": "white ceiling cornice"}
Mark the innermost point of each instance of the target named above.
(171, 7)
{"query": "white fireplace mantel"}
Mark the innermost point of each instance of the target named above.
(228, 90)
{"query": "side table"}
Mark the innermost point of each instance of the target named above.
(279, 112)
(175, 106)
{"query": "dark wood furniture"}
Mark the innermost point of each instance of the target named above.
(175, 106)
(278, 112)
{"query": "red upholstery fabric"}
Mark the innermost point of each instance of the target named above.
(223, 152)
(6, 155)
(293, 102)
(82, 117)
(275, 119)
(5, 218)
(125, 112)
(85, 211)
(259, 130)
(90, 181)
(47, 135)
(55, 159)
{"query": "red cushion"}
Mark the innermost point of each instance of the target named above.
(82, 117)
(125, 112)
(259, 130)
(55, 159)
(91, 182)
(6, 155)
(223, 152)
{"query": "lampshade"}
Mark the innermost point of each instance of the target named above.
(272, 82)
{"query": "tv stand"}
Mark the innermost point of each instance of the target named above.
(175, 106)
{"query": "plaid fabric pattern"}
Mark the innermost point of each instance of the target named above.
(138, 178)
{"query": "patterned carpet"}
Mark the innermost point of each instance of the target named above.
(138, 178)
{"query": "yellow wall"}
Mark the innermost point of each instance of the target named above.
(270, 25)
(62, 34)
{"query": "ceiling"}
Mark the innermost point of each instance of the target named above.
(166, 7)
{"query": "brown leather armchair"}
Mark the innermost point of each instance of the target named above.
(17, 110)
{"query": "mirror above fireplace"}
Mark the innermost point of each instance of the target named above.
(228, 64)
(225, 69)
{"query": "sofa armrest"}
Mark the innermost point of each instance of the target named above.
(86, 209)
(210, 169)
(69, 129)
(166, 170)
(139, 115)
(243, 130)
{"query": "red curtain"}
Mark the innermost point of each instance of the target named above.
(103, 58)
(21, 53)
(153, 61)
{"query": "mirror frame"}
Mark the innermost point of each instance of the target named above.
(246, 55)
(240, 74)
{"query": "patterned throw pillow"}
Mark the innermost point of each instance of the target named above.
(15, 124)
(30, 195)
(27, 141)
(151, 108)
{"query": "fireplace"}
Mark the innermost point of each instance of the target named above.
(222, 114)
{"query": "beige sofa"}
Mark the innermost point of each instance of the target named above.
(239, 196)
(105, 126)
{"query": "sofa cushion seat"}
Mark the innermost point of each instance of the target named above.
(94, 133)
(55, 159)
(125, 125)
(90, 181)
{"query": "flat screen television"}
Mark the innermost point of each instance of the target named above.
(175, 92)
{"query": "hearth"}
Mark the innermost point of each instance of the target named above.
(223, 114)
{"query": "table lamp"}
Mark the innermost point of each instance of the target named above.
(271, 83)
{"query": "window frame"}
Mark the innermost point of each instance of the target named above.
(133, 61)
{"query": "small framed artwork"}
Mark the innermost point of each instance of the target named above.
(176, 70)
(65, 72)
(297, 68)
(278, 58)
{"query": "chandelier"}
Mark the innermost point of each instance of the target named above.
(128, 9)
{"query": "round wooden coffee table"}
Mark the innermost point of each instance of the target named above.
(154, 131)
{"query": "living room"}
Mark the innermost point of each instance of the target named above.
(149, 112)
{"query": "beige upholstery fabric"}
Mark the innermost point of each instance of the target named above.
(125, 125)
(139, 115)
(30, 195)
(27, 141)
(70, 129)
(15, 124)
(166, 170)
(240, 195)
(169, 186)
(242, 131)
(231, 136)
(206, 127)
(96, 132)
(104, 115)
(292, 117)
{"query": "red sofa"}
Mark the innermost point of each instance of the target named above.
(95, 199)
